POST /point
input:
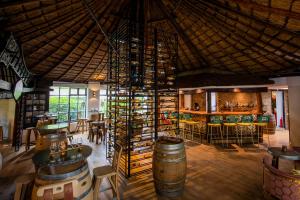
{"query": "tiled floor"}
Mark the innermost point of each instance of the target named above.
(212, 172)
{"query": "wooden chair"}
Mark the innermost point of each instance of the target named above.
(81, 124)
(111, 172)
(23, 186)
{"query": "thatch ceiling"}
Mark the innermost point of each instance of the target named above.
(62, 42)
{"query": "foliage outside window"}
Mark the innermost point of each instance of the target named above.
(103, 101)
(68, 104)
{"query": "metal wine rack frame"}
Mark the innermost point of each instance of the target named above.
(142, 94)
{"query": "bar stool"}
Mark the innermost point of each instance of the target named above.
(231, 122)
(81, 123)
(111, 172)
(190, 126)
(29, 130)
(261, 124)
(246, 125)
(181, 128)
(89, 123)
(215, 123)
(200, 129)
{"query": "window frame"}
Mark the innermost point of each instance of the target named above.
(69, 96)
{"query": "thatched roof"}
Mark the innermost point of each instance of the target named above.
(61, 41)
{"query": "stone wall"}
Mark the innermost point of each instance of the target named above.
(266, 102)
(242, 98)
(199, 98)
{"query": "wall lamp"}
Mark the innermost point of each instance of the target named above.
(94, 93)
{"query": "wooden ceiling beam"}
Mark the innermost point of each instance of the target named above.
(220, 80)
(250, 44)
(192, 7)
(216, 9)
(155, 20)
(50, 53)
(98, 66)
(65, 73)
(90, 60)
(108, 8)
(197, 10)
(196, 52)
(262, 8)
(42, 45)
(221, 64)
(219, 5)
(42, 14)
(98, 48)
(204, 71)
(28, 36)
(83, 28)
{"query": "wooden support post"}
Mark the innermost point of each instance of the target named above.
(259, 102)
(208, 101)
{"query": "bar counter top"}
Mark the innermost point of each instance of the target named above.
(216, 113)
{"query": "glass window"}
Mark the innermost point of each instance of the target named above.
(82, 91)
(74, 91)
(69, 104)
(213, 102)
(103, 101)
(64, 91)
(55, 91)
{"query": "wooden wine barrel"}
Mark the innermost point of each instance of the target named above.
(169, 166)
(70, 185)
(44, 141)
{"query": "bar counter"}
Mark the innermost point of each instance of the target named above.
(217, 113)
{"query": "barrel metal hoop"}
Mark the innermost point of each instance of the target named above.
(84, 194)
(170, 183)
(170, 152)
(63, 176)
(172, 160)
(81, 178)
(169, 147)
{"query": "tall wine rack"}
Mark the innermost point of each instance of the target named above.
(142, 94)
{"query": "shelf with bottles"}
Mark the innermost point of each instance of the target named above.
(35, 103)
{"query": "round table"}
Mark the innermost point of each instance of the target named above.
(53, 128)
(277, 153)
(99, 125)
(41, 158)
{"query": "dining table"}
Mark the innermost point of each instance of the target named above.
(100, 126)
(280, 152)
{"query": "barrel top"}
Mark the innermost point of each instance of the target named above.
(41, 158)
(169, 140)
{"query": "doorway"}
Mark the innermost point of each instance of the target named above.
(278, 108)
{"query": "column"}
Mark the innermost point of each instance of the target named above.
(93, 98)
(294, 110)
